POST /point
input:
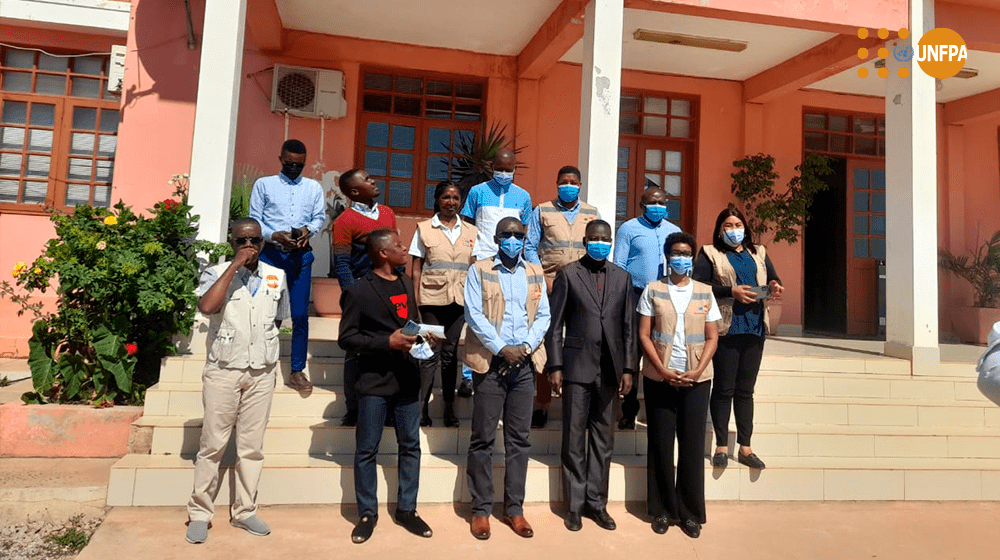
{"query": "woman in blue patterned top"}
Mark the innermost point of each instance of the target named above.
(735, 267)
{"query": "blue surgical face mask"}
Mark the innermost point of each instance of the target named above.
(732, 237)
(503, 178)
(569, 193)
(598, 250)
(681, 265)
(512, 247)
(655, 212)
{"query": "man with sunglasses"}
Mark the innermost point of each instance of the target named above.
(291, 209)
(245, 300)
(507, 310)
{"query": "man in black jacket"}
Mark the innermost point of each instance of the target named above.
(593, 364)
(374, 311)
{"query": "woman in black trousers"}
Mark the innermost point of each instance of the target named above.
(678, 334)
(442, 250)
(734, 266)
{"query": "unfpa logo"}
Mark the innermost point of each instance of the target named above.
(941, 53)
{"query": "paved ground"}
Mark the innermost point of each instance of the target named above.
(52, 489)
(773, 531)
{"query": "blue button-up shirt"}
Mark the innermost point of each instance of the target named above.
(515, 329)
(487, 204)
(639, 248)
(535, 229)
(281, 204)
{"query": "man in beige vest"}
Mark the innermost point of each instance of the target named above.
(555, 233)
(507, 310)
(245, 300)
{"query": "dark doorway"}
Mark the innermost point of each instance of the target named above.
(825, 275)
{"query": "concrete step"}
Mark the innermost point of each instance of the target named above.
(184, 400)
(291, 436)
(150, 480)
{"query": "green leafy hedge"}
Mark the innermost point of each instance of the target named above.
(125, 285)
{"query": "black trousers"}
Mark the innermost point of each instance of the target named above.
(736, 364)
(630, 405)
(445, 360)
(676, 412)
(588, 438)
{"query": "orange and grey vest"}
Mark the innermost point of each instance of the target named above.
(665, 323)
(477, 356)
(724, 273)
(562, 242)
(243, 334)
(442, 278)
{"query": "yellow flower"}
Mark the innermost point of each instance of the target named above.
(19, 267)
(110, 221)
(101, 245)
(38, 270)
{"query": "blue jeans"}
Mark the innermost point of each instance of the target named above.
(298, 274)
(368, 435)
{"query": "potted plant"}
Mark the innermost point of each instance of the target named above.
(774, 216)
(980, 267)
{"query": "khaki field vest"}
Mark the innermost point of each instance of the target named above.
(477, 356)
(724, 273)
(665, 323)
(243, 334)
(562, 242)
(442, 278)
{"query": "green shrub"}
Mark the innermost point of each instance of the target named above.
(125, 286)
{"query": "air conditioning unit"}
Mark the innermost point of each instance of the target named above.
(308, 92)
(116, 69)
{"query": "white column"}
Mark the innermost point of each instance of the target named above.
(600, 96)
(214, 145)
(911, 205)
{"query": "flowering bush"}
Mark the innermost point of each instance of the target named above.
(126, 286)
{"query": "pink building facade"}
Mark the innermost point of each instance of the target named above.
(631, 91)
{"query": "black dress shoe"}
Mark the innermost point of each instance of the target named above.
(363, 530)
(751, 460)
(450, 420)
(465, 389)
(720, 460)
(691, 528)
(413, 523)
(660, 525)
(601, 517)
(350, 419)
(390, 419)
(626, 424)
(573, 521)
(539, 418)
(426, 422)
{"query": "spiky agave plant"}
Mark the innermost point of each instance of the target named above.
(475, 152)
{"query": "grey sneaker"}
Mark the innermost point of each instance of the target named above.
(252, 525)
(197, 532)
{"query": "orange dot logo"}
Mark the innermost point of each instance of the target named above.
(941, 53)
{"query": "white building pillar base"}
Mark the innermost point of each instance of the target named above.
(911, 203)
(214, 146)
(599, 104)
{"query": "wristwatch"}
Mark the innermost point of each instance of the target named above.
(527, 347)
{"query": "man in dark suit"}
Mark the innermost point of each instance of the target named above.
(374, 311)
(593, 364)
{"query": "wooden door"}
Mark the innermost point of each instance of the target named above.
(865, 243)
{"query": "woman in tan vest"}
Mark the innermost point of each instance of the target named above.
(442, 251)
(678, 331)
(735, 267)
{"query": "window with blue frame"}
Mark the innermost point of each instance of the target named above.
(410, 129)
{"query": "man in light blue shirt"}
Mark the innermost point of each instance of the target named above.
(291, 209)
(507, 309)
(639, 250)
(487, 203)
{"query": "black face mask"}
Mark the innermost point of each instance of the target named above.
(292, 170)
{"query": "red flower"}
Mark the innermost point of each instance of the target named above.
(131, 348)
(170, 204)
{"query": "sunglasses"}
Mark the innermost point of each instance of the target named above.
(509, 234)
(240, 241)
(680, 254)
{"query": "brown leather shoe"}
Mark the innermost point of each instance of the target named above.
(480, 527)
(299, 382)
(520, 525)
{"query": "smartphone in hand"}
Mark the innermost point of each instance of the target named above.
(761, 292)
(411, 328)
